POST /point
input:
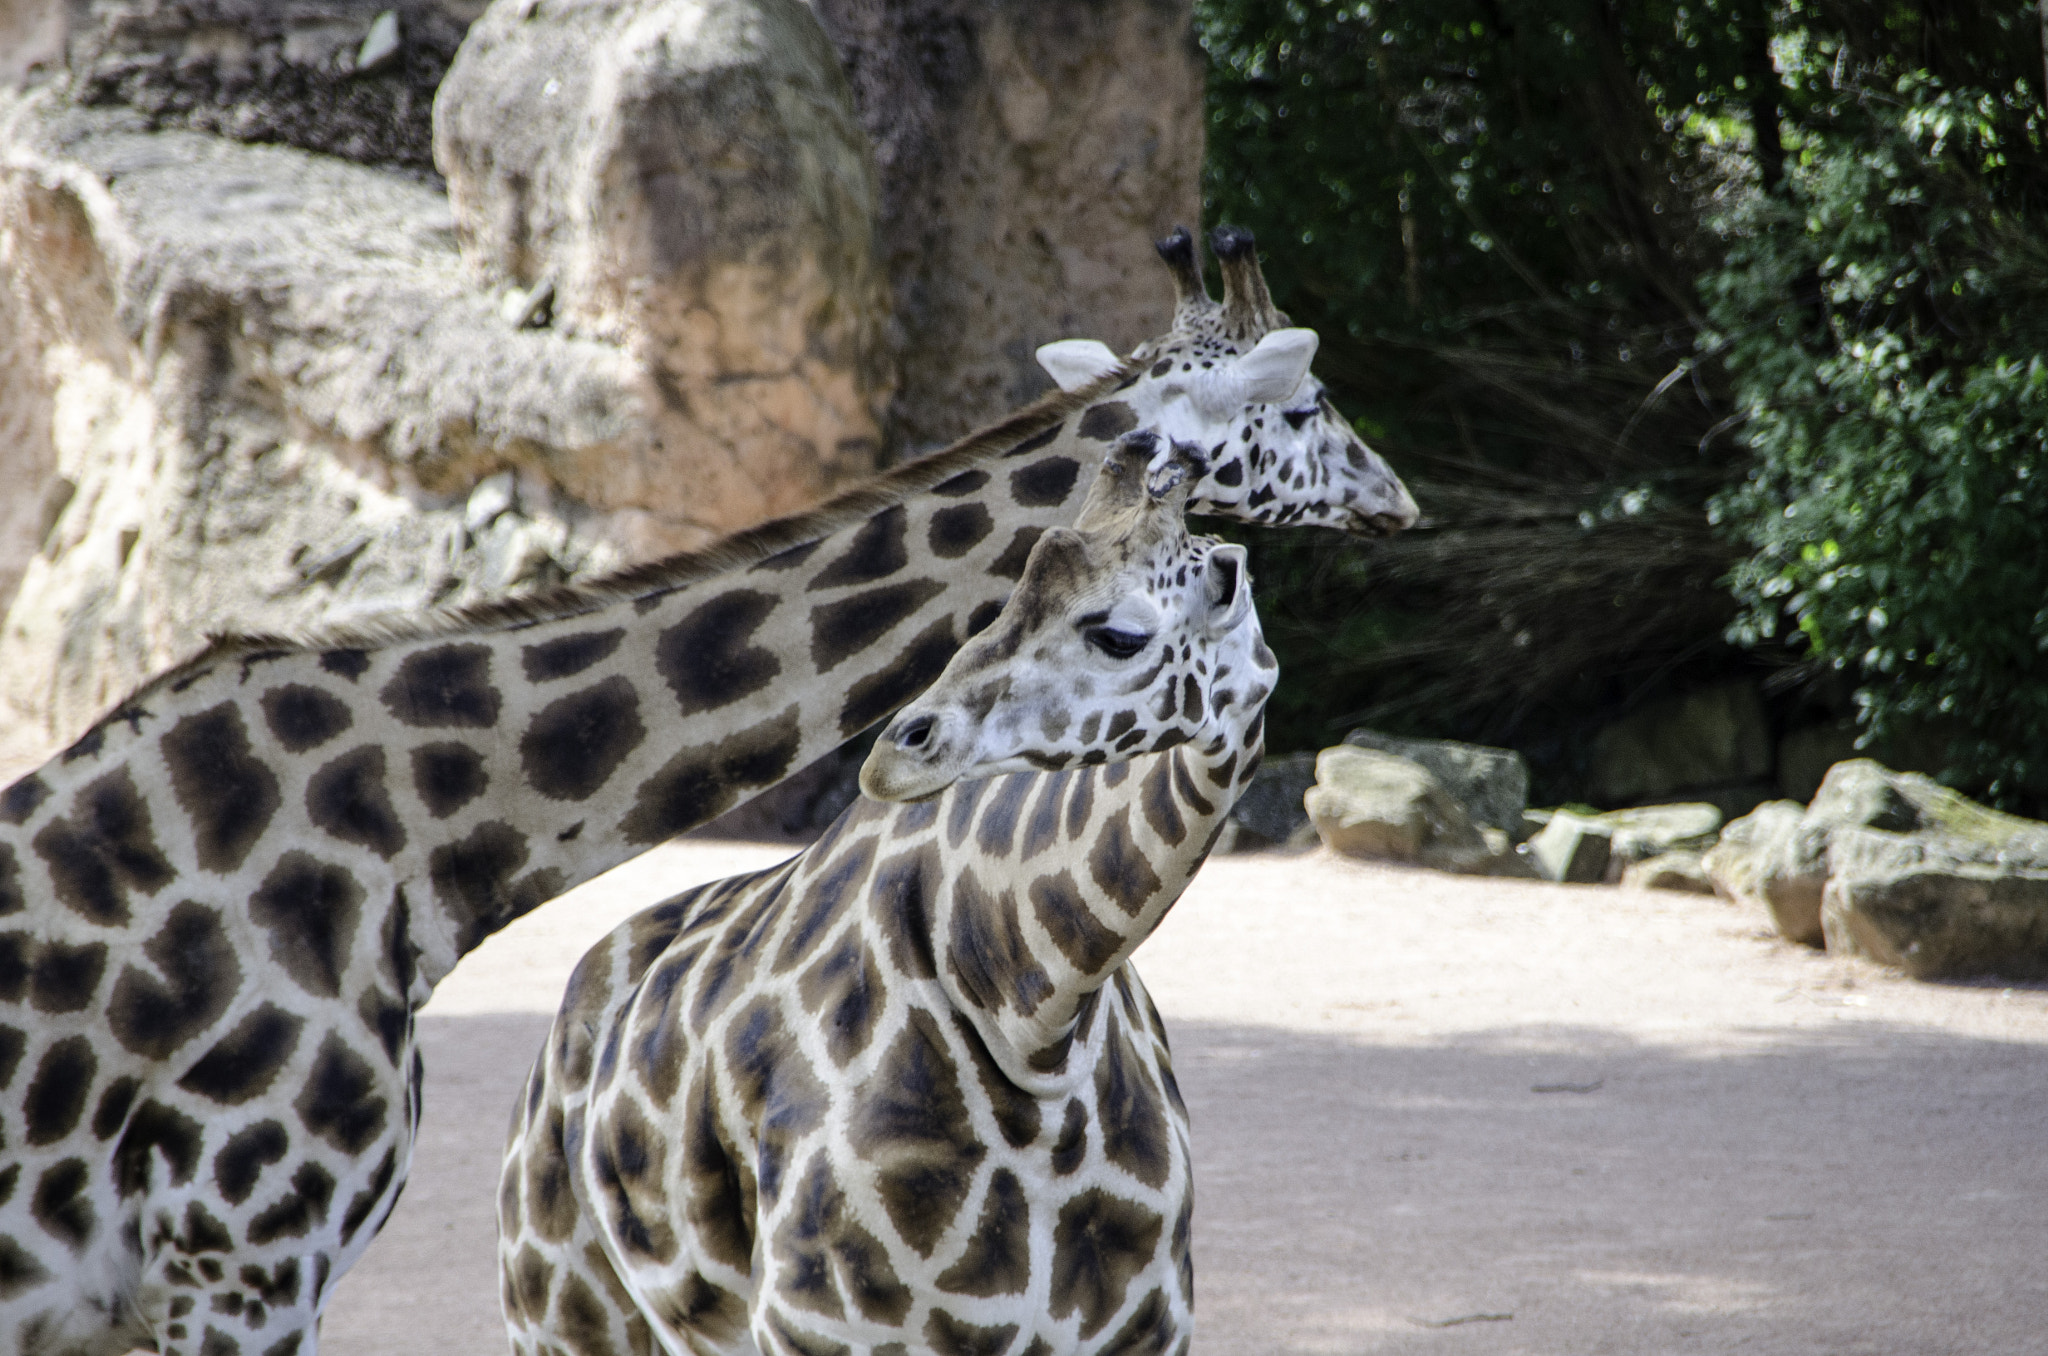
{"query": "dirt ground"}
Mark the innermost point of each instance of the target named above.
(1444, 1115)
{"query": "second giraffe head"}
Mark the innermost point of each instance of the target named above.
(1124, 636)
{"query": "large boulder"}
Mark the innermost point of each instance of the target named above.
(1027, 156)
(1491, 784)
(1897, 867)
(1715, 737)
(1937, 908)
(1371, 804)
(688, 179)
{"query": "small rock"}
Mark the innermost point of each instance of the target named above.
(1648, 831)
(1572, 848)
(492, 496)
(1371, 804)
(380, 44)
(1492, 784)
(1669, 871)
(1270, 813)
(1767, 857)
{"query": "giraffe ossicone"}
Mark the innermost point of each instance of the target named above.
(221, 908)
(903, 1092)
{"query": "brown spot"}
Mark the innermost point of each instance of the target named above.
(950, 1336)
(153, 1016)
(699, 784)
(340, 1101)
(823, 1254)
(718, 1193)
(347, 799)
(56, 1097)
(842, 629)
(575, 744)
(567, 656)
(986, 952)
(65, 978)
(1010, 564)
(1072, 925)
(227, 793)
(302, 717)
(911, 1122)
(844, 990)
(62, 1203)
(629, 1155)
(1015, 1110)
(709, 658)
(447, 686)
(997, 1260)
(957, 530)
(312, 909)
(1100, 1245)
(102, 850)
(475, 879)
(823, 900)
(903, 896)
(695, 1306)
(1119, 869)
(1070, 1150)
(1107, 422)
(914, 668)
(447, 776)
(1135, 1136)
(1149, 1331)
(246, 1061)
(777, 1092)
(876, 552)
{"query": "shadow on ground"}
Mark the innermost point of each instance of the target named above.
(1875, 1191)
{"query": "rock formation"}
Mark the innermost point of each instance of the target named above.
(696, 263)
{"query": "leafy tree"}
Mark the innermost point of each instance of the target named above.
(1895, 512)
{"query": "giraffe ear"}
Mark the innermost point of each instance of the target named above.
(1230, 589)
(1277, 365)
(1075, 363)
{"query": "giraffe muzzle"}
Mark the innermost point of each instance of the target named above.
(914, 759)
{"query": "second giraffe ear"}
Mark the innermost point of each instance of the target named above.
(1075, 363)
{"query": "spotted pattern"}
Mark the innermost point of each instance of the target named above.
(900, 1093)
(274, 850)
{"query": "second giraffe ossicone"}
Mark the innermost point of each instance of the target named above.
(902, 1092)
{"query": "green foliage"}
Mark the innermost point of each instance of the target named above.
(1685, 321)
(1894, 515)
(1489, 212)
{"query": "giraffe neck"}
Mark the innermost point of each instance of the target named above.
(1057, 879)
(458, 776)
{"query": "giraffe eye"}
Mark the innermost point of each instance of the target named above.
(1117, 644)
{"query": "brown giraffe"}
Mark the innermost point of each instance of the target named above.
(220, 909)
(902, 1092)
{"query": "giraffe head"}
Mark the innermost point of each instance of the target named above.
(1124, 636)
(1231, 378)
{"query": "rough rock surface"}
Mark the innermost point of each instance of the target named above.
(265, 413)
(689, 179)
(1572, 849)
(1366, 803)
(283, 74)
(1648, 831)
(1717, 736)
(1027, 155)
(1669, 871)
(1895, 866)
(1492, 784)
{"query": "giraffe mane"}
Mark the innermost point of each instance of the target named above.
(747, 547)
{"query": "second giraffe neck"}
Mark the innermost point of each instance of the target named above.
(1055, 879)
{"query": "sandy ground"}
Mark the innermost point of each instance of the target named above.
(1442, 1115)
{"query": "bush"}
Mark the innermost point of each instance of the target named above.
(1896, 516)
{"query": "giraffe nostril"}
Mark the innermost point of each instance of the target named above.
(915, 733)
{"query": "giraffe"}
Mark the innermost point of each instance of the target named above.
(221, 908)
(903, 1092)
